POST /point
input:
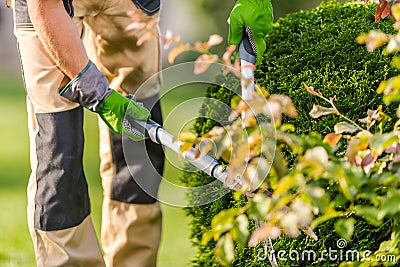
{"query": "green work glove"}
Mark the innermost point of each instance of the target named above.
(90, 89)
(113, 109)
(254, 18)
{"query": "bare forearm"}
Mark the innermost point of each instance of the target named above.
(59, 35)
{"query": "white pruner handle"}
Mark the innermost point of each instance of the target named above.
(247, 62)
(247, 79)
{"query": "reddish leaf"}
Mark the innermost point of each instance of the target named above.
(373, 115)
(236, 65)
(394, 148)
(135, 26)
(200, 47)
(332, 139)
(396, 159)
(150, 25)
(368, 162)
(148, 35)
(311, 90)
(203, 47)
(203, 62)
(226, 58)
(373, 39)
(139, 24)
(214, 39)
(249, 66)
(286, 104)
(385, 11)
(169, 39)
(215, 132)
(177, 51)
(354, 146)
(243, 106)
(310, 233)
(134, 16)
(382, 10)
(263, 232)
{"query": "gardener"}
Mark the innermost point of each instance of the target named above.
(56, 41)
(59, 80)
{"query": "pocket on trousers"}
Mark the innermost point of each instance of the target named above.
(22, 19)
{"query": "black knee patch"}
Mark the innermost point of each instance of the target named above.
(62, 199)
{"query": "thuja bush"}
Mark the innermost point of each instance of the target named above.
(319, 48)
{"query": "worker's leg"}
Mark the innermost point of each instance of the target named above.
(58, 202)
(131, 227)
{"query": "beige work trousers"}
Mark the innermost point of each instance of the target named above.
(58, 205)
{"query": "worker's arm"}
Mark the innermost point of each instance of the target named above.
(59, 35)
(252, 18)
(88, 86)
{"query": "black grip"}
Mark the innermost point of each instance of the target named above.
(247, 44)
(246, 51)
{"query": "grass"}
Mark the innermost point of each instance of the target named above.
(15, 243)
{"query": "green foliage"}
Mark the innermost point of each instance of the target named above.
(319, 48)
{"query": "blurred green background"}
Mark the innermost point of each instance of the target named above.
(194, 20)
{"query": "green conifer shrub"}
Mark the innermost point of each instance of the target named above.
(317, 47)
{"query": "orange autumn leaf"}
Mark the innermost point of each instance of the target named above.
(203, 62)
(311, 90)
(169, 39)
(177, 51)
(134, 16)
(150, 25)
(214, 39)
(148, 35)
(382, 10)
(226, 58)
(135, 26)
(332, 139)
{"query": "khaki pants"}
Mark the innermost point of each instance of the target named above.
(58, 202)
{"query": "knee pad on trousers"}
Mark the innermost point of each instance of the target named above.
(61, 197)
